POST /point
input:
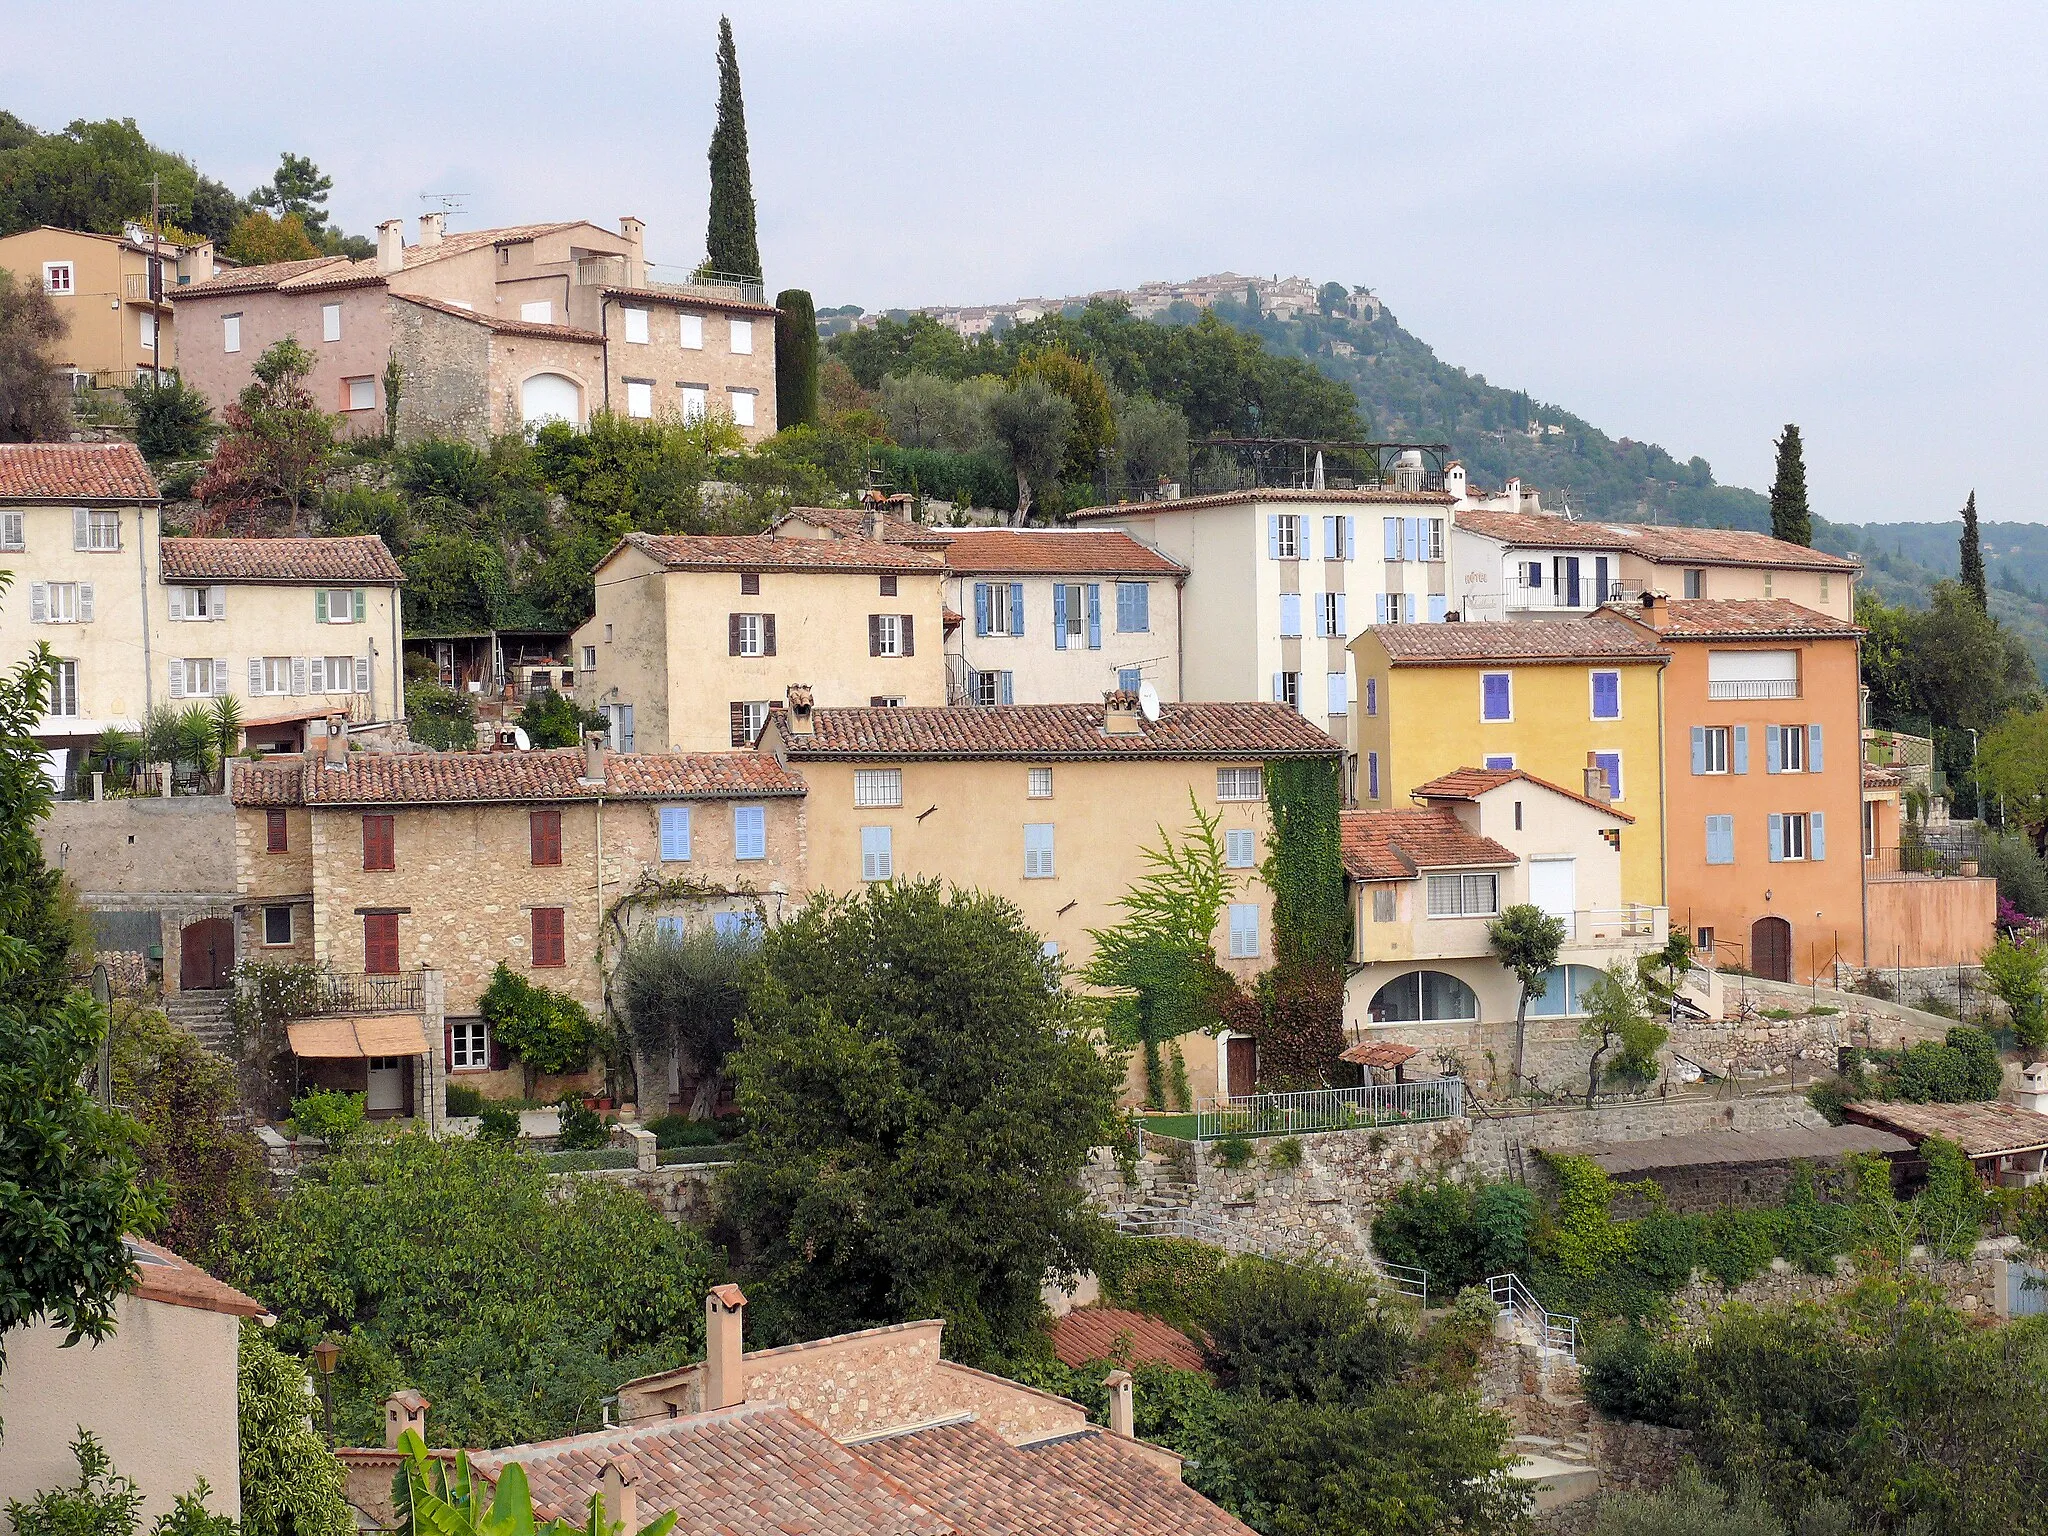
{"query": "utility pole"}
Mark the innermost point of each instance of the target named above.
(153, 285)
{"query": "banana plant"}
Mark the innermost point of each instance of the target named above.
(436, 1500)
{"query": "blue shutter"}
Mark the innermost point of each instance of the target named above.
(1350, 538)
(1699, 749)
(1609, 764)
(1741, 735)
(1128, 679)
(1343, 622)
(359, 605)
(1272, 536)
(1059, 616)
(1094, 617)
(1813, 749)
(1329, 538)
(1774, 749)
(1777, 839)
(1007, 696)
(1496, 697)
(1606, 695)
(1017, 608)
(1816, 836)
(749, 832)
(1720, 839)
(1335, 701)
(1379, 608)
(1279, 692)
(675, 833)
(1408, 608)
(319, 602)
(981, 607)
(1392, 526)
(1439, 605)
(1372, 775)
(1290, 615)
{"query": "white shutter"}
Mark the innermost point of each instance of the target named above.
(177, 679)
(362, 674)
(220, 676)
(218, 606)
(298, 674)
(318, 667)
(39, 602)
(81, 529)
(85, 605)
(177, 602)
(255, 676)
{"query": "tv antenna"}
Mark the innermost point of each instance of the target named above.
(446, 202)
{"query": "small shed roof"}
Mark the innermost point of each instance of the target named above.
(1380, 1053)
(383, 1034)
(1981, 1130)
(1706, 1149)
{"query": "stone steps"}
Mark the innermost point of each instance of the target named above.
(206, 1016)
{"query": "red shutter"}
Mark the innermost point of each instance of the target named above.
(732, 634)
(448, 1047)
(380, 843)
(500, 1057)
(874, 634)
(767, 634)
(739, 726)
(544, 836)
(888, 586)
(909, 642)
(549, 947)
(276, 830)
(380, 943)
(750, 583)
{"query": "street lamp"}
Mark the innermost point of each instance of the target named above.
(325, 1353)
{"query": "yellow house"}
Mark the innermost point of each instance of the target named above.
(1561, 699)
(114, 293)
(695, 637)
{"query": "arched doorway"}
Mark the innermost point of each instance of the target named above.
(1770, 949)
(550, 397)
(206, 954)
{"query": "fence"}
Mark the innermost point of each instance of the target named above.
(1557, 1331)
(1330, 1109)
(361, 992)
(2026, 1291)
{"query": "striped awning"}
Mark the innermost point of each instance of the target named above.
(380, 1034)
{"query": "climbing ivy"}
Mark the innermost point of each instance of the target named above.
(291, 1483)
(1304, 868)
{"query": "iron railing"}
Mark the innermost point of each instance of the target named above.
(364, 992)
(1555, 1331)
(1754, 688)
(1330, 1109)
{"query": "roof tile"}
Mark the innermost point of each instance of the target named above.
(1470, 783)
(161, 1275)
(844, 521)
(1399, 844)
(1110, 1333)
(468, 778)
(1024, 551)
(1371, 495)
(1539, 641)
(767, 551)
(1662, 543)
(1718, 618)
(74, 472)
(502, 327)
(1054, 731)
(1116, 1475)
(356, 558)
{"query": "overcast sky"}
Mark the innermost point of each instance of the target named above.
(1688, 224)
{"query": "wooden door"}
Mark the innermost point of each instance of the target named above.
(206, 954)
(385, 1093)
(1241, 1065)
(1770, 949)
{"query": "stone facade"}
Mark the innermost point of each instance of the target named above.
(685, 1193)
(1975, 1285)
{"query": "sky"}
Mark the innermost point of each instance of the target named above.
(1690, 225)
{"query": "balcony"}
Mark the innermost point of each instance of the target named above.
(1755, 688)
(1628, 927)
(1586, 595)
(352, 992)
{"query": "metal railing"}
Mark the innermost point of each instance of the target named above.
(1330, 1109)
(1754, 688)
(1627, 922)
(363, 992)
(1555, 1331)
(1406, 1280)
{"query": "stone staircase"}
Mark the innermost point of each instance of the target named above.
(1537, 1385)
(206, 1016)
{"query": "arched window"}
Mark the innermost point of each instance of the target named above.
(550, 397)
(1564, 992)
(1423, 997)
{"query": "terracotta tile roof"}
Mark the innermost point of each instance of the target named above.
(1122, 1478)
(1379, 1053)
(321, 272)
(852, 521)
(1050, 732)
(1471, 783)
(504, 327)
(271, 784)
(1981, 1130)
(684, 297)
(1535, 530)
(1399, 844)
(1110, 1333)
(1875, 777)
(160, 1275)
(1725, 618)
(255, 279)
(357, 558)
(1661, 543)
(1024, 551)
(74, 472)
(469, 778)
(770, 552)
(1540, 641)
(1374, 496)
(755, 1470)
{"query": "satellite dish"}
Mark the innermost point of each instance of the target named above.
(1148, 701)
(519, 739)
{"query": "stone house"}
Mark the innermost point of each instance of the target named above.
(115, 294)
(493, 330)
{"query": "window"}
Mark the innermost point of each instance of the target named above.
(1390, 531)
(1798, 835)
(1287, 689)
(1565, 992)
(1792, 748)
(64, 690)
(541, 312)
(1133, 607)
(1383, 903)
(1330, 616)
(550, 937)
(1720, 839)
(469, 1045)
(690, 331)
(148, 333)
(607, 634)
(10, 530)
(275, 832)
(998, 608)
(1076, 615)
(748, 716)
(1240, 784)
(1240, 848)
(1870, 829)
(198, 603)
(1464, 895)
(1336, 696)
(273, 675)
(1372, 775)
(1606, 695)
(60, 602)
(1038, 783)
(887, 586)
(360, 394)
(746, 632)
(338, 605)
(889, 634)
(1129, 679)
(1496, 696)
(1532, 573)
(1423, 997)
(544, 836)
(737, 927)
(1432, 538)
(1038, 850)
(696, 401)
(1609, 764)
(1769, 583)
(1049, 949)
(1244, 930)
(674, 824)
(743, 335)
(1290, 615)
(1696, 586)
(878, 786)
(1339, 537)
(231, 333)
(1518, 821)
(380, 842)
(1283, 536)
(1710, 749)
(640, 399)
(277, 925)
(991, 687)
(1752, 674)
(885, 701)
(1372, 695)
(1705, 942)
(1500, 762)
(749, 832)
(330, 322)
(57, 277)
(877, 857)
(340, 674)
(1823, 587)
(742, 401)
(590, 658)
(380, 943)
(198, 677)
(636, 327)
(95, 530)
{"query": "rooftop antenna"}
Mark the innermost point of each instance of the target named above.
(445, 202)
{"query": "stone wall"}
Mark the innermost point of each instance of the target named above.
(1642, 1458)
(685, 1193)
(1972, 1285)
(446, 361)
(183, 845)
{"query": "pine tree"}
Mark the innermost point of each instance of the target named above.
(730, 244)
(1790, 518)
(796, 359)
(1973, 554)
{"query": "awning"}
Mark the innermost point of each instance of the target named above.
(382, 1034)
(1380, 1053)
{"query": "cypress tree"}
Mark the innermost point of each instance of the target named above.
(796, 359)
(1973, 555)
(1790, 519)
(730, 244)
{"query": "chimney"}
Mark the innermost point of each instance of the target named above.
(2032, 1092)
(725, 1379)
(1120, 715)
(404, 1410)
(431, 225)
(1657, 610)
(336, 754)
(1597, 787)
(800, 722)
(871, 525)
(617, 1485)
(391, 246)
(636, 251)
(593, 757)
(1121, 1412)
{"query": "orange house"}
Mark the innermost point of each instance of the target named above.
(1763, 781)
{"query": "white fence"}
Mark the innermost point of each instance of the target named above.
(1330, 1109)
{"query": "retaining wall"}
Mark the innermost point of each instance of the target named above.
(686, 1193)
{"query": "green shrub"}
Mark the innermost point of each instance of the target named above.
(584, 1159)
(497, 1123)
(682, 1131)
(329, 1115)
(464, 1101)
(1631, 1375)
(1286, 1331)
(1964, 1068)
(583, 1128)
(548, 1031)
(1285, 1153)
(1169, 1277)
(1233, 1152)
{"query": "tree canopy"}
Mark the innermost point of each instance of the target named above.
(34, 403)
(730, 244)
(1791, 519)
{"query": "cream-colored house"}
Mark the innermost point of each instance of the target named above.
(159, 1392)
(696, 637)
(115, 294)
